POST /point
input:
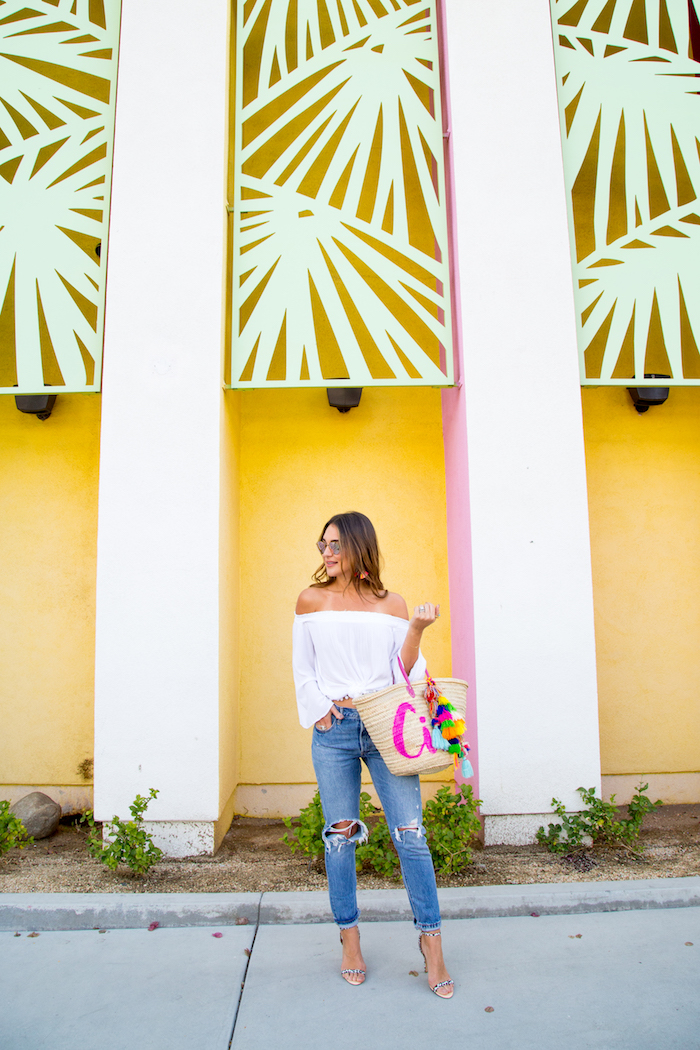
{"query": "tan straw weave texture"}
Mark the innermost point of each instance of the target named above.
(389, 721)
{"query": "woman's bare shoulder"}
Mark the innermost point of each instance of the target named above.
(310, 600)
(394, 605)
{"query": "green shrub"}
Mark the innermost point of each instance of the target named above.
(598, 822)
(452, 826)
(450, 821)
(305, 835)
(12, 830)
(126, 841)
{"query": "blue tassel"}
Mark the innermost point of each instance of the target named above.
(438, 740)
(467, 770)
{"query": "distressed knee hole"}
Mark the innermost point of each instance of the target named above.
(344, 832)
(343, 827)
(414, 826)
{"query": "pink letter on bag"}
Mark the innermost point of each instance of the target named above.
(399, 720)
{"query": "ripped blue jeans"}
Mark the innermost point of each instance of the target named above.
(336, 756)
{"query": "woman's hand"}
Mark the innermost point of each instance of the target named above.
(423, 616)
(325, 723)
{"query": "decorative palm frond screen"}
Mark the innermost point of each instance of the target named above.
(629, 91)
(58, 61)
(339, 262)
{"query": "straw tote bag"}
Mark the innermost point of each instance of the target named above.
(399, 721)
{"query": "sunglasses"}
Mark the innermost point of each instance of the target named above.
(333, 544)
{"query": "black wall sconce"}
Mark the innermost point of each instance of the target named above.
(39, 405)
(645, 397)
(344, 397)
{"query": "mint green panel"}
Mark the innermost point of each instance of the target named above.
(58, 68)
(339, 260)
(628, 75)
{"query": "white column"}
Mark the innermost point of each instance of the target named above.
(157, 683)
(535, 654)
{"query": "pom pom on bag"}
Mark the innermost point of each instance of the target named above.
(447, 727)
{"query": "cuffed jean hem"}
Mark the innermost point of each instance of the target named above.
(427, 927)
(348, 925)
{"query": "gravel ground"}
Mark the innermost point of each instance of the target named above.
(253, 858)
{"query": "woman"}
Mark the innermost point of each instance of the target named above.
(349, 633)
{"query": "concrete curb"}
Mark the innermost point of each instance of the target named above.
(125, 911)
(477, 902)
(85, 911)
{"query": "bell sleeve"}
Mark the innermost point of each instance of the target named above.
(311, 702)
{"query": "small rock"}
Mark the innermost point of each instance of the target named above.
(241, 921)
(488, 1009)
(688, 944)
(35, 934)
(39, 814)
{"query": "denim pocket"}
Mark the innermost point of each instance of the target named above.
(318, 728)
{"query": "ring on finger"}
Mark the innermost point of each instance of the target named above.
(421, 608)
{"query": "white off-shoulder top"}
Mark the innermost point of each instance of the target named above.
(337, 654)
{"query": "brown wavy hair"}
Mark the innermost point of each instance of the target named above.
(359, 547)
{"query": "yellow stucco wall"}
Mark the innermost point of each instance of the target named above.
(299, 462)
(48, 531)
(229, 600)
(644, 495)
(302, 462)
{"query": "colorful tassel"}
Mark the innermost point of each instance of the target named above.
(438, 740)
(447, 728)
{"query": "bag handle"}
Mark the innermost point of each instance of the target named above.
(411, 690)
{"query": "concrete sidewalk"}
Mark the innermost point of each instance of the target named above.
(628, 982)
